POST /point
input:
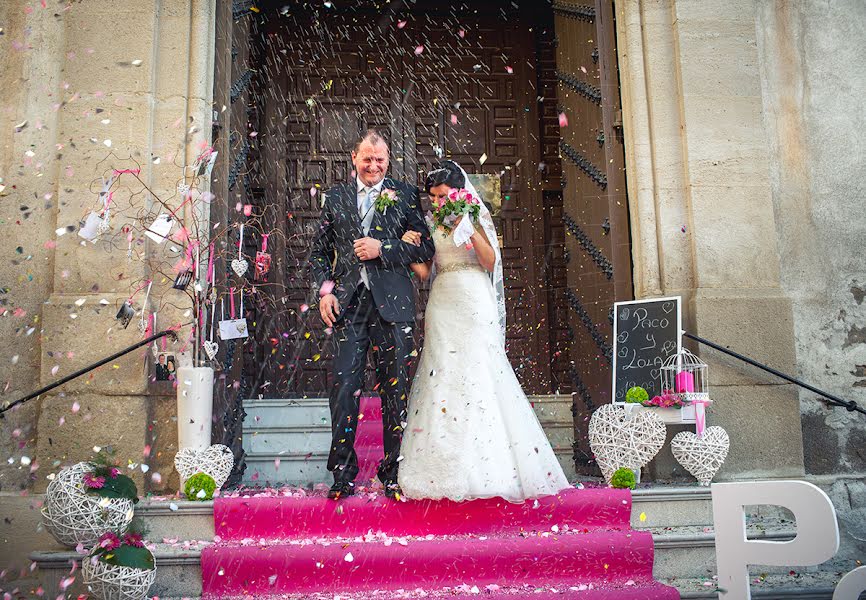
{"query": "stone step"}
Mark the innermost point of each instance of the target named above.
(276, 439)
(299, 412)
(683, 556)
(293, 469)
(661, 506)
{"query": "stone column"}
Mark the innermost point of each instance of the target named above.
(702, 213)
(140, 92)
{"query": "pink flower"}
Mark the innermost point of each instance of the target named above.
(109, 541)
(93, 482)
(133, 539)
(454, 195)
(114, 472)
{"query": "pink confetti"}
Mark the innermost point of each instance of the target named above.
(76, 407)
(248, 209)
(462, 33)
(401, 24)
(563, 120)
(509, 70)
(419, 50)
(305, 308)
(454, 119)
(313, 192)
(277, 464)
(327, 288)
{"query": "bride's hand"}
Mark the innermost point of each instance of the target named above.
(412, 237)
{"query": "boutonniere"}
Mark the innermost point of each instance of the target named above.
(387, 197)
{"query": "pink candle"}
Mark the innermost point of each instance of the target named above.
(685, 382)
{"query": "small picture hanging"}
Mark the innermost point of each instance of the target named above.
(182, 280)
(166, 366)
(239, 265)
(263, 260)
(232, 329)
(125, 314)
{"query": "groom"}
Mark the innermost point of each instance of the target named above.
(361, 268)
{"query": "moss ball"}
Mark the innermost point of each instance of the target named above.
(200, 486)
(623, 478)
(636, 395)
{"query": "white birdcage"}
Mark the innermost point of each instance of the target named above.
(686, 376)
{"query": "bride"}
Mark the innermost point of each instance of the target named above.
(471, 431)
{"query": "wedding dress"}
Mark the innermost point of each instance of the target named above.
(471, 432)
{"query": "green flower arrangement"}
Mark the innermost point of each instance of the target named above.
(106, 480)
(200, 486)
(636, 395)
(125, 550)
(623, 478)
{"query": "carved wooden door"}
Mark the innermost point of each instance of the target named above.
(595, 209)
(438, 87)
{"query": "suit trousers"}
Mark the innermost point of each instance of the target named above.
(361, 327)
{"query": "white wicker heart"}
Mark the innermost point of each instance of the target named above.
(702, 456)
(620, 441)
(74, 516)
(112, 582)
(216, 461)
(240, 266)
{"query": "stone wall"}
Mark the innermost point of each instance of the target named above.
(94, 86)
(811, 60)
(812, 54)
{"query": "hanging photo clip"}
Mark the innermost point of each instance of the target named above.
(263, 260)
(232, 329)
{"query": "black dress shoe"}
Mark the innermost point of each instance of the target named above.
(341, 489)
(393, 491)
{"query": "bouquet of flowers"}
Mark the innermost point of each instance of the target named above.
(459, 203)
(105, 479)
(127, 550)
(667, 399)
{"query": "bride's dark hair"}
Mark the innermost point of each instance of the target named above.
(447, 172)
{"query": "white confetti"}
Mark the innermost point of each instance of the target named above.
(172, 506)
(349, 557)
(483, 158)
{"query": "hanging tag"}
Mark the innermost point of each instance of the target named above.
(160, 228)
(89, 229)
(233, 328)
(263, 260)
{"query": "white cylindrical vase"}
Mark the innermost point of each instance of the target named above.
(194, 406)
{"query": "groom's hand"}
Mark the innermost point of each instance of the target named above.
(368, 248)
(329, 308)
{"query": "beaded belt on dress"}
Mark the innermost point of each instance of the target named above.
(459, 267)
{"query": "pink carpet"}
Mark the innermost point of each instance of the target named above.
(578, 545)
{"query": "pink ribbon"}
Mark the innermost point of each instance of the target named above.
(209, 276)
(138, 289)
(232, 306)
(122, 171)
(265, 242)
(700, 416)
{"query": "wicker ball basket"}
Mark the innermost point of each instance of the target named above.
(74, 516)
(112, 582)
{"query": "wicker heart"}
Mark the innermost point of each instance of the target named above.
(216, 461)
(702, 456)
(240, 266)
(211, 349)
(621, 441)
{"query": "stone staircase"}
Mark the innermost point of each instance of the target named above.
(287, 440)
(678, 517)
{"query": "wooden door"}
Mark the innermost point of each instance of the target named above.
(595, 209)
(436, 87)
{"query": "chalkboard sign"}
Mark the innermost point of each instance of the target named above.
(645, 333)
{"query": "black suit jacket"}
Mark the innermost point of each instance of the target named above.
(333, 256)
